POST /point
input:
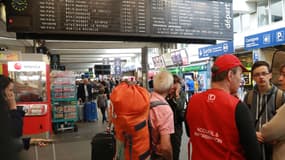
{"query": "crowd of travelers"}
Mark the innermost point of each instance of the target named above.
(220, 125)
(148, 122)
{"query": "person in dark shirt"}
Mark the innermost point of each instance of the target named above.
(150, 84)
(219, 124)
(263, 101)
(177, 108)
(11, 119)
(84, 92)
(7, 150)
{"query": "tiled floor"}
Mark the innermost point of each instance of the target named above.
(77, 145)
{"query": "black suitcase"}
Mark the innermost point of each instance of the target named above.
(103, 146)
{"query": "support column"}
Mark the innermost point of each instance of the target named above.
(34, 46)
(144, 64)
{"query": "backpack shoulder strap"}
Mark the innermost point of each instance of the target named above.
(157, 103)
(249, 98)
(278, 98)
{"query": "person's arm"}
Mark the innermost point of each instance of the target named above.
(187, 128)
(165, 128)
(26, 142)
(165, 147)
(16, 117)
(247, 133)
(7, 148)
(275, 128)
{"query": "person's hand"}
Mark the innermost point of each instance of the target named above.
(108, 129)
(79, 100)
(40, 142)
(11, 100)
(158, 150)
(259, 137)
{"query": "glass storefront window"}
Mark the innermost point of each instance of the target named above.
(246, 22)
(262, 11)
(29, 86)
(241, 22)
(237, 23)
(276, 10)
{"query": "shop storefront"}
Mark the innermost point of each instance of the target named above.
(265, 46)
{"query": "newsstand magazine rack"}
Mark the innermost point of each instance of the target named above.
(64, 101)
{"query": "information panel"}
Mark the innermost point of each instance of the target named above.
(189, 19)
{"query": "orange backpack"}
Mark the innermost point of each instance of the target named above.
(130, 114)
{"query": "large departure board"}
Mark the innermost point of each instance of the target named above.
(187, 19)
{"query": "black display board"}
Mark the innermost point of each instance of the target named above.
(181, 19)
(102, 69)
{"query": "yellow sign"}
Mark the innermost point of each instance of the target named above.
(1, 70)
(2, 56)
(9, 56)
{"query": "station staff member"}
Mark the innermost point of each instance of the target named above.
(220, 124)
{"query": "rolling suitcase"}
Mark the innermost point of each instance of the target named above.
(90, 111)
(103, 146)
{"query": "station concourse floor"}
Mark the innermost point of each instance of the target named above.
(71, 145)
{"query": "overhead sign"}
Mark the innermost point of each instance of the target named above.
(265, 39)
(176, 57)
(167, 59)
(158, 61)
(145, 19)
(216, 50)
(102, 69)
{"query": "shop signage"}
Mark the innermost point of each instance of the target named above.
(216, 50)
(173, 70)
(194, 68)
(265, 39)
(18, 66)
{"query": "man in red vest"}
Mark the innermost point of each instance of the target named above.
(220, 125)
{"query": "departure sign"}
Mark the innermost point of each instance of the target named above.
(186, 19)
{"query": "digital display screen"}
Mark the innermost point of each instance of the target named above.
(186, 19)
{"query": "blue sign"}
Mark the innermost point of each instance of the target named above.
(265, 39)
(216, 50)
(117, 66)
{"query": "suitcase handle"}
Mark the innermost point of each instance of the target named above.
(53, 152)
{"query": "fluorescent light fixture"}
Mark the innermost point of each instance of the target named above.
(94, 51)
(8, 38)
(71, 41)
(99, 56)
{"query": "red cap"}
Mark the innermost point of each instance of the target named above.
(226, 62)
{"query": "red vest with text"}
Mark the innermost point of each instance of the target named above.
(213, 131)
